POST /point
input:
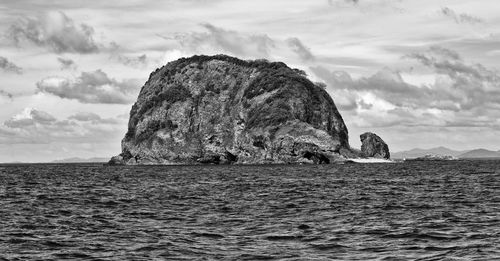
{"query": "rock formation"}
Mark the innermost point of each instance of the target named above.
(373, 146)
(220, 109)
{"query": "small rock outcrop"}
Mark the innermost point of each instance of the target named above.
(223, 110)
(373, 146)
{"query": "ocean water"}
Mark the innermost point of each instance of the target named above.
(408, 211)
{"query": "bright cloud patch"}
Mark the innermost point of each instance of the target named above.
(54, 31)
(91, 87)
(9, 66)
(462, 95)
(36, 126)
(216, 38)
(30, 117)
(252, 46)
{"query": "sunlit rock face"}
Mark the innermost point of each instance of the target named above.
(373, 146)
(220, 109)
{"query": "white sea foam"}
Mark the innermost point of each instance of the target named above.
(371, 160)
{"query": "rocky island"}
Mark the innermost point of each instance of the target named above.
(223, 110)
(373, 146)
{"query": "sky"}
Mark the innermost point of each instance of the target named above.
(418, 73)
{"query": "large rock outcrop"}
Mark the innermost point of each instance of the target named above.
(220, 109)
(373, 146)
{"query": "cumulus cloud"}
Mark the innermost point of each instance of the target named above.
(135, 61)
(34, 126)
(300, 49)
(218, 39)
(6, 94)
(468, 90)
(92, 118)
(91, 87)
(30, 117)
(252, 46)
(449, 63)
(117, 53)
(54, 31)
(85, 116)
(460, 18)
(331, 2)
(9, 66)
(67, 64)
(385, 84)
(445, 53)
(471, 85)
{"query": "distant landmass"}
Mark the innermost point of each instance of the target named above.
(461, 154)
(416, 153)
(80, 160)
(480, 153)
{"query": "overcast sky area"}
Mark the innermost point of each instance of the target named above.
(418, 73)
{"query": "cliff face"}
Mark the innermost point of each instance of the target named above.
(219, 109)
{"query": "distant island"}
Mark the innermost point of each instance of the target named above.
(480, 153)
(223, 110)
(443, 151)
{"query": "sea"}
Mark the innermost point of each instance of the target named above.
(447, 210)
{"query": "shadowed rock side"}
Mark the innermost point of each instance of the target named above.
(219, 109)
(373, 146)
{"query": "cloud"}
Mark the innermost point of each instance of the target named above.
(458, 85)
(136, 61)
(449, 63)
(248, 46)
(6, 94)
(33, 126)
(54, 31)
(462, 94)
(92, 118)
(385, 84)
(218, 39)
(8, 66)
(300, 49)
(460, 18)
(91, 87)
(132, 61)
(331, 2)
(85, 116)
(29, 117)
(445, 53)
(67, 64)
(470, 85)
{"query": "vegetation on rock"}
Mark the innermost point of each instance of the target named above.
(373, 146)
(220, 109)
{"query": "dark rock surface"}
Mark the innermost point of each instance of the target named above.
(221, 110)
(373, 146)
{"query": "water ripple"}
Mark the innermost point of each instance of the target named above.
(410, 211)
